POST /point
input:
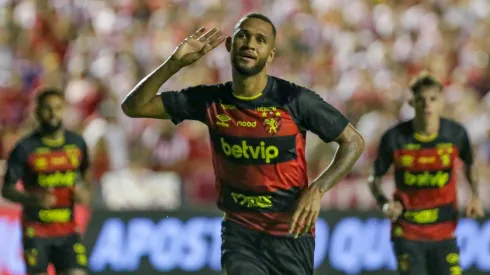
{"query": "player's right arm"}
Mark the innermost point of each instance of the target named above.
(16, 164)
(384, 159)
(143, 100)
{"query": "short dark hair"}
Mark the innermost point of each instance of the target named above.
(424, 80)
(47, 92)
(261, 17)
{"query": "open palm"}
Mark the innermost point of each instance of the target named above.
(197, 45)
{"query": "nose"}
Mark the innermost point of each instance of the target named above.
(251, 43)
(50, 114)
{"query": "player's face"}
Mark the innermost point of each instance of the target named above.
(429, 103)
(251, 47)
(50, 113)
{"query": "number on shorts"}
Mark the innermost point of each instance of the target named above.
(31, 257)
(81, 254)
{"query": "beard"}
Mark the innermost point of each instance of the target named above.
(248, 71)
(49, 128)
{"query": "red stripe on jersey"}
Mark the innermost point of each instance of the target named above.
(251, 123)
(55, 161)
(264, 178)
(428, 198)
(49, 230)
(234, 130)
(432, 232)
(426, 159)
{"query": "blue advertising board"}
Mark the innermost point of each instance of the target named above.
(189, 243)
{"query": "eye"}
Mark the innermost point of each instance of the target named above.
(261, 40)
(240, 35)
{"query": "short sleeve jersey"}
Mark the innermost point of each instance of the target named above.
(41, 165)
(425, 177)
(258, 145)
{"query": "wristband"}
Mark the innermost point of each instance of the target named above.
(385, 207)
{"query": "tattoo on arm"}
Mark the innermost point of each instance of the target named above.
(350, 149)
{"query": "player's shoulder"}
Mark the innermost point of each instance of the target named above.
(397, 131)
(74, 138)
(28, 142)
(451, 128)
(289, 91)
(451, 125)
(286, 87)
(29, 138)
(215, 88)
(210, 91)
(400, 128)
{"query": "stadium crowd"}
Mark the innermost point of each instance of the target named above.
(359, 55)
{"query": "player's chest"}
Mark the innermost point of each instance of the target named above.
(50, 160)
(260, 121)
(437, 156)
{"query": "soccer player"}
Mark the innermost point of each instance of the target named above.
(424, 207)
(257, 125)
(52, 164)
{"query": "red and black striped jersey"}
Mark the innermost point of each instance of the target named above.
(43, 165)
(258, 145)
(425, 177)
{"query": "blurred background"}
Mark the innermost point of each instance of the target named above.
(359, 55)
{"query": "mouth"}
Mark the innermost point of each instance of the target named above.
(54, 122)
(246, 56)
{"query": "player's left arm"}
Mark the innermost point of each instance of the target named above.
(466, 155)
(83, 190)
(329, 124)
(351, 145)
(83, 187)
(475, 208)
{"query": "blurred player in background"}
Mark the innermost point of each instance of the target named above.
(257, 124)
(424, 209)
(52, 164)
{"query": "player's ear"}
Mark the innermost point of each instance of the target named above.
(272, 53)
(228, 43)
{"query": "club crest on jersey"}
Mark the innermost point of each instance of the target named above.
(272, 125)
(271, 120)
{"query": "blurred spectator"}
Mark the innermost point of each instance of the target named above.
(169, 149)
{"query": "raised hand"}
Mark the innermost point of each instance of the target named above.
(197, 45)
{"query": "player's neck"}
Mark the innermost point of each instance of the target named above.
(249, 86)
(426, 127)
(56, 135)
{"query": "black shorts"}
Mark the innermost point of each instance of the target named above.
(245, 252)
(427, 258)
(64, 253)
